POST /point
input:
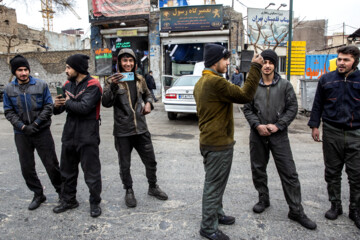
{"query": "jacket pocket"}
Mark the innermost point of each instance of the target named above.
(355, 91)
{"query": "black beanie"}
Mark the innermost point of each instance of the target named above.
(79, 62)
(18, 61)
(213, 53)
(270, 55)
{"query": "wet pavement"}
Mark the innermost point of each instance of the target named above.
(181, 175)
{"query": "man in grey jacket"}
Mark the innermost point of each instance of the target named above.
(270, 113)
(131, 101)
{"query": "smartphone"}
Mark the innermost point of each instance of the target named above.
(59, 91)
(128, 76)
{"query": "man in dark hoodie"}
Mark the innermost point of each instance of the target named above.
(131, 101)
(81, 138)
(28, 106)
(270, 113)
(337, 104)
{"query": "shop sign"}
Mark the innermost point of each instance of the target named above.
(103, 61)
(298, 54)
(123, 45)
(190, 18)
(127, 33)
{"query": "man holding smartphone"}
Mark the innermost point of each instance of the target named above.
(131, 101)
(81, 138)
(28, 106)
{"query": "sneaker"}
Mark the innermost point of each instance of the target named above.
(36, 202)
(334, 211)
(218, 235)
(355, 216)
(64, 206)
(226, 220)
(302, 219)
(95, 210)
(261, 206)
(157, 192)
(130, 199)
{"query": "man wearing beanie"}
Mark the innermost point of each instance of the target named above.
(337, 104)
(270, 113)
(131, 101)
(81, 138)
(214, 97)
(28, 106)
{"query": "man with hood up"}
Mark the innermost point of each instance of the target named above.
(270, 113)
(131, 101)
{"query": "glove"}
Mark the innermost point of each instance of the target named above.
(31, 129)
(114, 87)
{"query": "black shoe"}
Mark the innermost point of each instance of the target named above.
(355, 216)
(158, 193)
(302, 219)
(334, 211)
(226, 220)
(218, 235)
(64, 206)
(130, 199)
(260, 206)
(95, 210)
(36, 202)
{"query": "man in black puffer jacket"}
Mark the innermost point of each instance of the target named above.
(270, 113)
(131, 101)
(80, 139)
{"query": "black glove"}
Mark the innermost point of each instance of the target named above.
(31, 129)
(114, 87)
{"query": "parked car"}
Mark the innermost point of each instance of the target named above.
(179, 97)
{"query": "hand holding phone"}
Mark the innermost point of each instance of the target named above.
(59, 91)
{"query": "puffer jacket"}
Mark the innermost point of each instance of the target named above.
(128, 119)
(273, 104)
(337, 101)
(83, 112)
(33, 105)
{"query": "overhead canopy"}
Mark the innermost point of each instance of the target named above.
(356, 34)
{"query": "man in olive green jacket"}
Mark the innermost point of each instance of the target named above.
(214, 97)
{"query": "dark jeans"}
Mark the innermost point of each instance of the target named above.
(342, 148)
(44, 144)
(143, 145)
(88, 156)
(279, 145)
(152, 94)
(217, 167)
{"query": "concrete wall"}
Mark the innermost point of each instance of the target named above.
(313, 32)
(62, 42)
(49, 66)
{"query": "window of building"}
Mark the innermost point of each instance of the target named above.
(282, 64)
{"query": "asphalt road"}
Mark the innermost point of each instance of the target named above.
(181, 175)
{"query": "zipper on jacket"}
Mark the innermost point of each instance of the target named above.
(27, 110)
(133, 110)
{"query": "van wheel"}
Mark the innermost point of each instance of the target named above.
(172, 115)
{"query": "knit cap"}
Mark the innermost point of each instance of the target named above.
(270, 55)
(79, 62)
(18, 61)
(213, 53)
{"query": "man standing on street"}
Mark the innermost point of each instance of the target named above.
(80, 139)
(337, 103)
(131, 101)
(270, 113)
(237, 77)
(150, 82)
(28, 106)
(214, 97)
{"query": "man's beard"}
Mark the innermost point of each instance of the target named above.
(72, 78)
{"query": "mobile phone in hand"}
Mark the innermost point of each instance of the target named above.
(60, 91)
(128, 76)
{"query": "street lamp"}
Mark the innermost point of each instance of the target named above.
(282, 5)
(270, 4)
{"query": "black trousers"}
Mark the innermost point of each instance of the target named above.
(43, 142)
(143, 145)
(279, 145)
(88, 156)
(342, 148)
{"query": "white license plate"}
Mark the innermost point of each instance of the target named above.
(186, 96)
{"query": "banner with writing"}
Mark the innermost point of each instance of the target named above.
(116, 8)
(103, 62)
(317, 65)
(190, 18)
(266, 25)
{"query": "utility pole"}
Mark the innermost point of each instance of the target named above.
(343, 33)
(290, 39)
